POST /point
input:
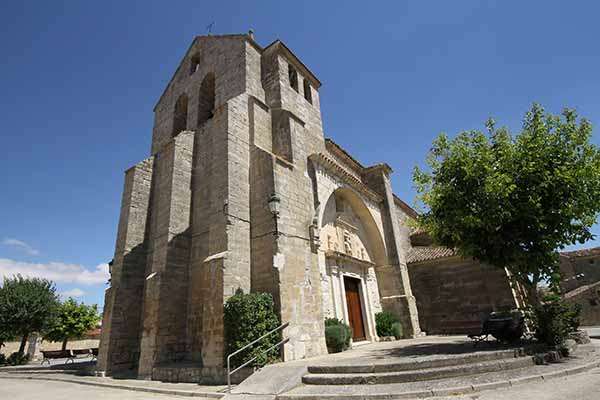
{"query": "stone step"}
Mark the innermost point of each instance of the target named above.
(417, 375)
(469, 386)
(415, 365)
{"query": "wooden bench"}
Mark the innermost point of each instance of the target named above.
(82, 352)
(56, 354)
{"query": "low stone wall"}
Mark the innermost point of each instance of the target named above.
(588, 297)
(190, 373)
(452, 294)
(11, 347)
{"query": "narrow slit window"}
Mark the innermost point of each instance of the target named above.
(307, 91)
(194, 63)
(293, 75)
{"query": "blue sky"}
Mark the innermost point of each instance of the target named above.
(80, 78)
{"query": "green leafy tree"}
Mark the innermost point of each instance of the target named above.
(5, 336)
(513, 200)
(27, 305)
(72, 321)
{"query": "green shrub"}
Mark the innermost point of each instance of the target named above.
(555, 319)
(2, 359)
(337, 335)
(17, 358)
(383, 323)
(398, 331)
(247, 317)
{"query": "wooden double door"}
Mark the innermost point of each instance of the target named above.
(355, 311)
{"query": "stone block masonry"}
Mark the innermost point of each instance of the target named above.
(119, 344)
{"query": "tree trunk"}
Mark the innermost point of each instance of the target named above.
(64, 344)
(23, 343)
(534, 299)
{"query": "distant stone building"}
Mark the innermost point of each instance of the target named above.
(237, 135)
(580, 282)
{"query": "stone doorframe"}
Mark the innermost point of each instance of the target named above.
(357, 269)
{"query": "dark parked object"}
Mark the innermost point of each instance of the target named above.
(505, 327)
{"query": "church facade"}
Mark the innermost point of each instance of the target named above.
(242, 190)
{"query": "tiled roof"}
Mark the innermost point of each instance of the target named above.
(428, 253)
(594, 251)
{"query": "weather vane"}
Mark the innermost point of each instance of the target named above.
(210, 27)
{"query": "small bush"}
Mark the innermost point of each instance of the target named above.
(17, 358)
(337, 335)
(247, 317)
(383, 323)
(555, 319)
(398, 331)
(2, 359)
(332, 322)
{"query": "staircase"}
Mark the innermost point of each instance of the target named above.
(373, 380)
(415, 371)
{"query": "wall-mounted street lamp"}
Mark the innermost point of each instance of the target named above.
(274, 203)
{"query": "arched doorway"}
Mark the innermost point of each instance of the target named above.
(353, 247)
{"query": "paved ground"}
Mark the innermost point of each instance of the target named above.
(584, 386)
(17, 389)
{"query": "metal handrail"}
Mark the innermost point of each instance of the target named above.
(229, 372)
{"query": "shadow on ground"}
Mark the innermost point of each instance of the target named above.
(456, 348)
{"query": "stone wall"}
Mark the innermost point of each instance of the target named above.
(588, 297)
(453, 294)
(11, 347)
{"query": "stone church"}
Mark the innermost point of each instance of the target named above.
(242, 190)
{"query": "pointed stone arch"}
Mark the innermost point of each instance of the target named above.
(371, 235)
(180, 114)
